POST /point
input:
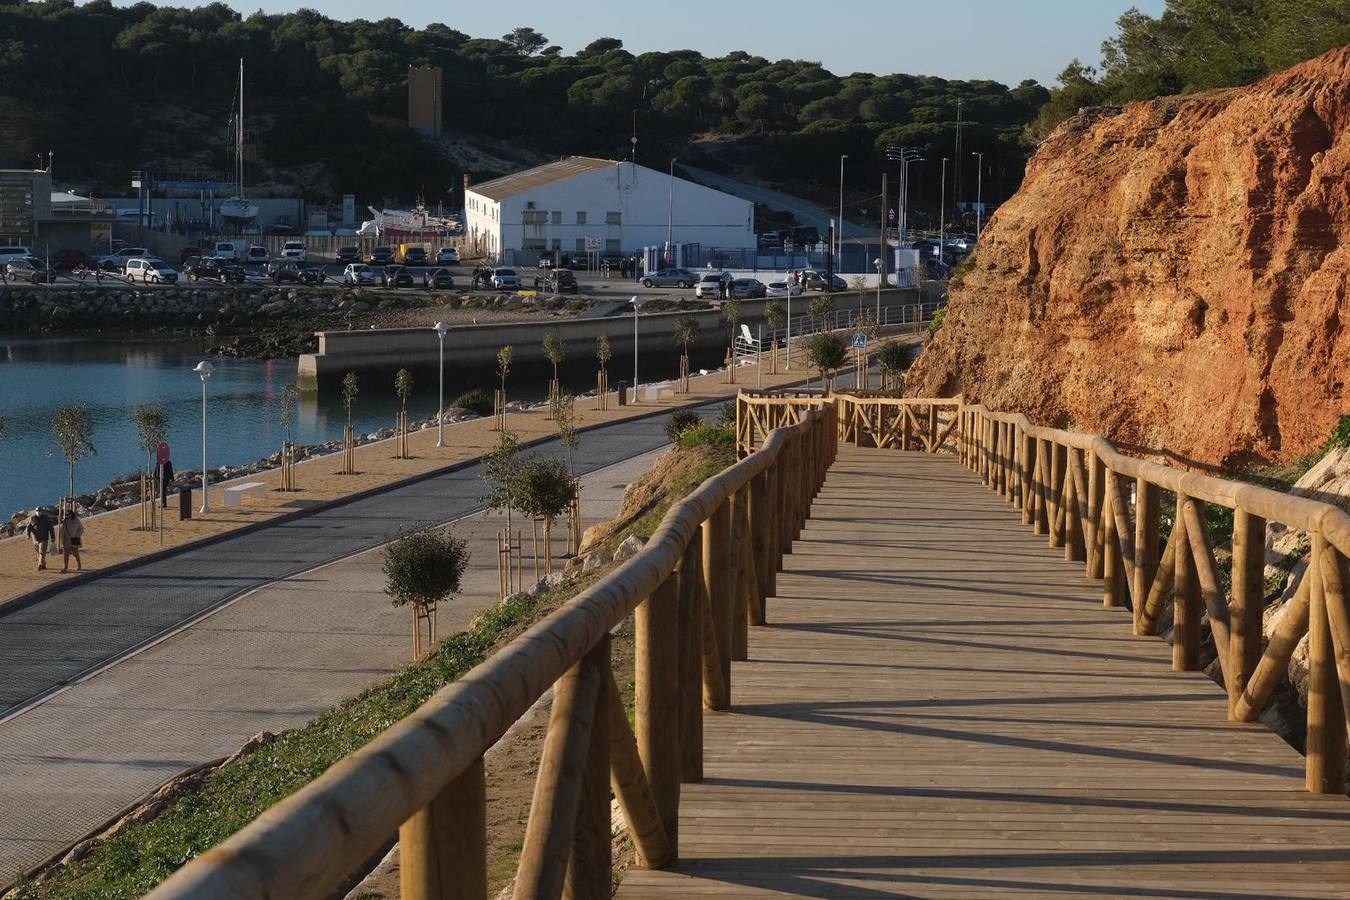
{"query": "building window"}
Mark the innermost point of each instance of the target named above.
(535, 217)
(581, 217)
(611, 245)
(613, 218)
(557, 243)
(534, 244)
(581, 245)
(556, 217)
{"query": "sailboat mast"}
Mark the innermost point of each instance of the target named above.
(239, 145)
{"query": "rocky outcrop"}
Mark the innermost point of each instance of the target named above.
(1173, 275)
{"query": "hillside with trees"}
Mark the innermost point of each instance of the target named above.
(109, 89)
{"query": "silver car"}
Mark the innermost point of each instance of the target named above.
(504, 278)
(709, 286)
(669, 278)
(358, 273)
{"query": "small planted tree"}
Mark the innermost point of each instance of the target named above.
(73, 432)
(565, 417)
(892, 359)
(403, 386)
(820, 310)
(351, 386)
(827, 353)
(543, 491)
(555, 351)
(499, 402)
(152, 426)
(422, 568)
(289, 396)
(731, 314)
(686, 332)
(603, 354)
(499, 471)
(774, 317)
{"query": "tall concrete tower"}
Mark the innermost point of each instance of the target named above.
(424, 100)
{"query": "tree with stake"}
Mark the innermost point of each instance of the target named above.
(503, 369)
(403, 386)
(564, 416)
(603, 353)
(555, 350)
(73, 431)
(731, 314)
(421, 569)
(686, 332)
(351, 386)
(774, 317)
(544, 490)
(152, 426)
(289, 396)
(827, 353)
(499, 471)
(820, 310)
(892, 359)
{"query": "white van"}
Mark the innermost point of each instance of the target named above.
(294, 250)
(150, 271)
(225, 250)
(13, 251)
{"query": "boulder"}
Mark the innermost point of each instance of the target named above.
(629, 548)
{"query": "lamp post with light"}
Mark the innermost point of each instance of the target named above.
(441, 328)
(839, 235)
(204, 369)
(635, 300)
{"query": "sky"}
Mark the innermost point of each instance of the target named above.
(1003, 40)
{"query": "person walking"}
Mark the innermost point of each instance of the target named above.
(72, 534)
(41, 532)
(165, 479)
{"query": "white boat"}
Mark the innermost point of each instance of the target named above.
(237, 209)
(415, 222)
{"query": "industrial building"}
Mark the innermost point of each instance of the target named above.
(581, 204)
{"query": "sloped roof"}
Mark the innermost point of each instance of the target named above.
(509, 185)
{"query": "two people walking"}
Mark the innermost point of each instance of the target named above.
(42, 530)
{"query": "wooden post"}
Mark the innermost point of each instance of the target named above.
(760, 518)
(690, 628)
(1186, 599)
(1075, 522)
(1326, 717)
(1244, 655)
(656, 678)
(742, 562)
(1058, 469)
(443, 847)
(590, 871)
(717, 576)
(1113, 567)
(1040, 519)
(567, 768)
(1096, 513)
(632, 788)
(1273, 668)
(1145, 547)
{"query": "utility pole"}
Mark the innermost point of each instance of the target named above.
(670, 216)
(839, 234)
(979, 193)
(942, 216)
(956, 159)
(881, 250)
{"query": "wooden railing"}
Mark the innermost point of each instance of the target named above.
(866, 418)
(701, 579)
(1106, 509)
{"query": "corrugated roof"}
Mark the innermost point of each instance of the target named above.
(509, 185)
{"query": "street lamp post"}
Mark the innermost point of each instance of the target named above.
(670, 215)
(204, 369)
(441, 328)
(881, 276)
(839, 234)
(635, 300)
(979, 192)
(942, 216)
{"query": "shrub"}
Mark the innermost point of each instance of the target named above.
(827, 353)
(935, 323)
(680, 421)
(475, 401)
(544, 488)
(1340, 435)
(726, 413)
(704, 434)
(423, 567)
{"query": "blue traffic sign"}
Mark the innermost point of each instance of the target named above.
(860, 342)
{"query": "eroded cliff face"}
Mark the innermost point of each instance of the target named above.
(1173, 275)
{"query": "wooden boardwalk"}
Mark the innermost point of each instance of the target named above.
(941, 707)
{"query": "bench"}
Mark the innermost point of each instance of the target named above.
(234, 494)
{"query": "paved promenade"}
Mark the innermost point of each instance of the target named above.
(271, 660)
(941, 707)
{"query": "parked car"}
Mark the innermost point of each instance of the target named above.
(546, 261)
(13, 251)
(70, 259)
(117, 260)
(504, 278)
(226, 250)
(358, 273)
(447, 256)
(783, 289)
(294, 250)
(257, 255)
(747, 289)
(347, 255)
(439, 280)
(669, 278)
(381, 256)
(815, 281)
(415, 256)
(150, 271)
(289, 270)
(214, 267)
(396, 276)
(709, 285)
(557, 281)
(29, 269)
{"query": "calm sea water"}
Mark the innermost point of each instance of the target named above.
(113, 376)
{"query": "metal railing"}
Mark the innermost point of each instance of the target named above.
(694, 589)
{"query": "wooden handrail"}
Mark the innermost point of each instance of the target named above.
(408, 779)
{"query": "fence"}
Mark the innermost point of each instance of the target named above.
(694, 588)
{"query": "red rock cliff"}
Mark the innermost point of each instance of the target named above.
(1174, 275)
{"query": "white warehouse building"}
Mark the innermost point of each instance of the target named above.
(619, 206)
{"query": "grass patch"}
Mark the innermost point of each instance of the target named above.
(134, 861)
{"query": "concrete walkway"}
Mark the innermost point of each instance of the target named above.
(271, 660)
(60, 638)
